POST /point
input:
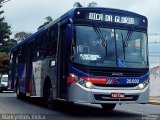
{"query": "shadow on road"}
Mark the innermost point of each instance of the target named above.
(88, 111)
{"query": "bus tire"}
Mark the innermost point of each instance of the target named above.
(108, 107)
(48, 94)
(50, 102)
(18, 93)
(1, 90)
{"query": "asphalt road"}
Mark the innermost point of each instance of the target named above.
(11, 108)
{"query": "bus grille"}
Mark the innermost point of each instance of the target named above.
(116, 73)
(115, 85)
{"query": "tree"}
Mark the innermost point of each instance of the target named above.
(77, 4)
(48, 20)
(4, 63)
(5, 31)
(92, 4)
(20, 36)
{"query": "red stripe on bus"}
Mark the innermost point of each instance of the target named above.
(70, 79)
(113, 82)
(96, 80)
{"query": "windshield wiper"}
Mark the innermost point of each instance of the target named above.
(123, 46)
(102, 40)
(98, 32)
(125, 41)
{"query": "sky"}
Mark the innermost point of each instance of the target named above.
(28, 15)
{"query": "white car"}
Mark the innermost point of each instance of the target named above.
(4, 83)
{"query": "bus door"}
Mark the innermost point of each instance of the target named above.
(62, 63)
(29, 77)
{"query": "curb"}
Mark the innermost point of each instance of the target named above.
(154, 102)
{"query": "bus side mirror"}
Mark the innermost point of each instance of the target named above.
(52, 63)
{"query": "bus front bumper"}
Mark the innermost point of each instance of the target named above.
(78, 93)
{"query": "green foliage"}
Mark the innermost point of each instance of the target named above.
(5, 31)
(77, 4)
(4, 62)
(48, 20)
(8, 45)
(20, 36)
(1, 1)
(5, 42)
(92, 4)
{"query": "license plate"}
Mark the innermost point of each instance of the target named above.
(117, 95)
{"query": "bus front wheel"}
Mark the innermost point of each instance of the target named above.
(108, 106)
(49, 98)
(47, 95)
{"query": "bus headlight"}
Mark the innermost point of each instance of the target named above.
(88, 84)
(72, 75)
(143, 85)
(81, 81)
(78, 79)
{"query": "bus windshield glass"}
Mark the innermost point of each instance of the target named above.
(99, 46)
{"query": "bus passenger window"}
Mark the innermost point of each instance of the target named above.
(51, 47)
(22, 54)
(37, 48)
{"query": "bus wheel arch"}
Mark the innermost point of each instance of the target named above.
(47, 84)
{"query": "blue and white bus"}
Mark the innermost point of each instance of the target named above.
(91, 55)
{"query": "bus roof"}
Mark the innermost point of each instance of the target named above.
(71, 14)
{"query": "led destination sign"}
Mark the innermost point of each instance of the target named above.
(111, 18)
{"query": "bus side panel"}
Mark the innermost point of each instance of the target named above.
(21, 76)
(50, 72)
(42, 71)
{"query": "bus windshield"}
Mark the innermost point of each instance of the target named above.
(99, 46)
